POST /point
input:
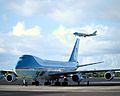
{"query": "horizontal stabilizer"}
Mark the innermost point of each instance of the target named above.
(90, 64)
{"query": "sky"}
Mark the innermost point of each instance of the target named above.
(44, 28)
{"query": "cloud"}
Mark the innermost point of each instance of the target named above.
(63, 34)
(25, 7)
(19, 30)
(69, 11)
(2, 50)
(64, 15)
(111, 13)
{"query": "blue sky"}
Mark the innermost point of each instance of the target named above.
(44, 28)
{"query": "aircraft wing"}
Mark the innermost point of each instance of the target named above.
(82, 72)
(74, 72)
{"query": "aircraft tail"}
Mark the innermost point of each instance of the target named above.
(74, 54)
(95, 32)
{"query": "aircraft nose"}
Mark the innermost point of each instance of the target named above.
(75, 33)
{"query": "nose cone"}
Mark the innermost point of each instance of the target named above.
(75, 33)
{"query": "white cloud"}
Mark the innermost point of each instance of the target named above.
(69, 11)
(19, 30)
(64, 15)
(25, 7)
(111, 10)
(2, 50)
(63, 34)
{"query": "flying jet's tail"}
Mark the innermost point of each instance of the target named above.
(95, 32)
(74, 54)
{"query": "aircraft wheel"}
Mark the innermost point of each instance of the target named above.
(64, 83)
(88, 83)
(57, 84)
(25, 83)
(33, 83)
(47, 83)
(37, 83)
(78, 83)
(65, 80)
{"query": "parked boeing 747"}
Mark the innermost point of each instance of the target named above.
(34, 68)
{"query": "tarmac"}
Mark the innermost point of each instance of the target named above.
(96, 88)
(18, 90)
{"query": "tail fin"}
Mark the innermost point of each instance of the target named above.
(95, 32)
(74, 54)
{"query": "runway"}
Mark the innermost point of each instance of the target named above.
(60, 89)
(18, 90)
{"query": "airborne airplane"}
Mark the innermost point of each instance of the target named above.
(84, 34)
(35, 69)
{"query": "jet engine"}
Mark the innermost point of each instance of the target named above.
(109, 75)
(11, 77)
(1, 75)
(77, 77)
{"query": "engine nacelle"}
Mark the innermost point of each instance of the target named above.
(109, 75)
(11, 77)
(77, 77)
(1, 75)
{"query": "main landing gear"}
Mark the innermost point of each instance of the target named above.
(47, 83)
(56, 83)
(35, 83)
(25, 83)
(64, 83)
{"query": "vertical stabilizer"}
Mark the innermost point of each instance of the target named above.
(95, 32)
(74, 54)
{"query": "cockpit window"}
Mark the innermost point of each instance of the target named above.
(22, 57)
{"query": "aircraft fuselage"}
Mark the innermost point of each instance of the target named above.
(41, 68)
